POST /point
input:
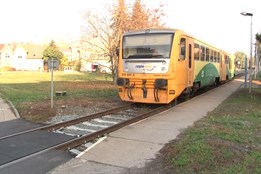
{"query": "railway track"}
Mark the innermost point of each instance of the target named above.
(68, 123)
(86, 129)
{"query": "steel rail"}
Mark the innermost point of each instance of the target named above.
(70, 122)
(86, 138)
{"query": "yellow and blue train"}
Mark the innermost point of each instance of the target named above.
(160, 65)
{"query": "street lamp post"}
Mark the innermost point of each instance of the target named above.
(255, 57)
(250, 62)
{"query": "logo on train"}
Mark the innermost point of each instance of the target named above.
(146, 67)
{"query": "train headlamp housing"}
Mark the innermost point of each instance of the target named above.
(122, 81)
(163, 69)
(160, 83)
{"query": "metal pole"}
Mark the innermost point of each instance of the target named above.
(255, 72)
(245, 72)
(52, 84)
(0, 65)
(258, 51)
(257, 57)
(250, 63)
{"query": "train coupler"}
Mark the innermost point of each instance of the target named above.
(144, 89)
(129, 88)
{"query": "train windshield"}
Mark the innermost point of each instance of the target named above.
(147, 46)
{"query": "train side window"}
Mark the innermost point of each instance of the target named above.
(226, 59)
(221, 57)
(207, 54)
(218, 57)
(211, 56)
(215, 56)
(182, 54)
(202, 53)
(196, 51)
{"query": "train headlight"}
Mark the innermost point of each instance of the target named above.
(122, 81)
(126, 66)
(159, 83)
(171, 91)
(163, 69)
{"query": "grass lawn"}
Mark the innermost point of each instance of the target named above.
(227, 141)
(33, 89)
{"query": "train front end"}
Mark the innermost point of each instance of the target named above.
(144, 67)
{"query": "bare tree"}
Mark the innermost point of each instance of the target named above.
(258, 50)
(140, 17)
(103, 33)
(120, 19)
(98, 38)
(240, 59)
(156, 15)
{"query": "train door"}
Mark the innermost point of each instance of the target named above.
(190, 62)
(186, 61)
(223, 67)
(182, 63)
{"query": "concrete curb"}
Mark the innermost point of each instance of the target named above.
(16, 113)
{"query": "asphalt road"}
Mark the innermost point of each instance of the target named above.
(20, 146)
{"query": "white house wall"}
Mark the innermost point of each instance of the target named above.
(33, 64)
(17, 59)
(7, 56)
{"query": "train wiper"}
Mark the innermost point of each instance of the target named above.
(145, 56)
(135, 56)
(157, 56)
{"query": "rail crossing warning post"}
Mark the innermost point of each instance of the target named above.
(53, 64)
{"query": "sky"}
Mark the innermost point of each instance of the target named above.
(217, 22)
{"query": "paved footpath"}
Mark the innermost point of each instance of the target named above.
(129, 149)
(7, 111)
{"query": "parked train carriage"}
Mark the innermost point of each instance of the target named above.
(160, 65)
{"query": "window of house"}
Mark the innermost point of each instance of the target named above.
(7, 55)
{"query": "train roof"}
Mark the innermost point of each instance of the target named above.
(168, 30)
(152, 30)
